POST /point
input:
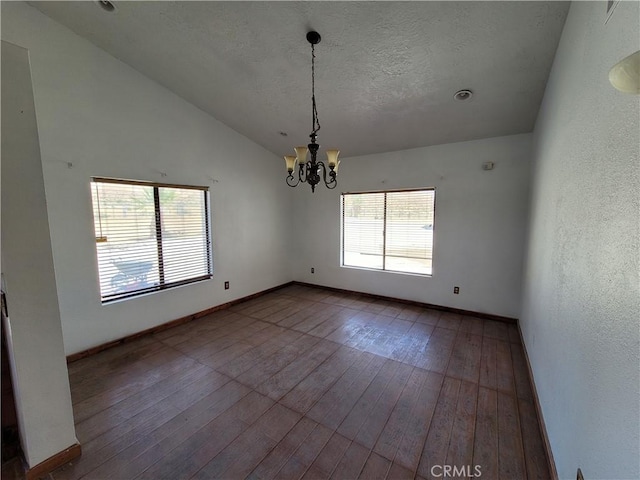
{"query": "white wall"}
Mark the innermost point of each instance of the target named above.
(39, 369)
(109, 120)
(581, 313)
(480, 224)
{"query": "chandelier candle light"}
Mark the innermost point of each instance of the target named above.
(309, 170)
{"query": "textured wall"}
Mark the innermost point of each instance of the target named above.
(39, 369)
(109, 120)
(581, 315)
(480, 223)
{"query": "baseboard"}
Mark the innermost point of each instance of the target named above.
(536, 401)
(458, 311)
(173, 323)
(51, 463)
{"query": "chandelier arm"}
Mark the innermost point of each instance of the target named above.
(291, 180)
(332, 182)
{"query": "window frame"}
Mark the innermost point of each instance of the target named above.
(113, 298)
(384, 235)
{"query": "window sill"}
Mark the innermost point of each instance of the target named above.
(153, 292)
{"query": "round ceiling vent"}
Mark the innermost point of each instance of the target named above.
(106, 5)
(463, 95)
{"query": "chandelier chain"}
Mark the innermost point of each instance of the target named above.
(315, 121)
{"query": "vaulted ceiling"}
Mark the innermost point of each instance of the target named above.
(386, 71)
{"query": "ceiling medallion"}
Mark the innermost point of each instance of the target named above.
(309, 171)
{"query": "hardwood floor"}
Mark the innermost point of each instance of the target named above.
(307, 383)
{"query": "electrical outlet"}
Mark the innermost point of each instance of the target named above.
(579, 475)
(226, 285)
(313, 270)
(456, 290)
(488, 165)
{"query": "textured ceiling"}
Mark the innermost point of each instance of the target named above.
(386, 72)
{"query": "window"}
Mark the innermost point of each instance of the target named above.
(149, 236)
(389, 230)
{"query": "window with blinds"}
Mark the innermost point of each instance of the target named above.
(149, 236)
(389, 230)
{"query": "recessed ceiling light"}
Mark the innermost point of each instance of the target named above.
(463, 95)
(284, 134)
(106, 5)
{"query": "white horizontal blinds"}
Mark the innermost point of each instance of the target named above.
(185, 239)
(149, 237)
(409, 231)
(125, 238)
(363, 230)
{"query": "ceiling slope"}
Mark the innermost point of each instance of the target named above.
(386, 71)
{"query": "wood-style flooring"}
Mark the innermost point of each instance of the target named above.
(309, 383)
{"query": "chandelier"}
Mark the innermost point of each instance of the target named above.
(310, 171)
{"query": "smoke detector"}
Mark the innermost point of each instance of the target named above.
(106, 5)
(463, 95)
